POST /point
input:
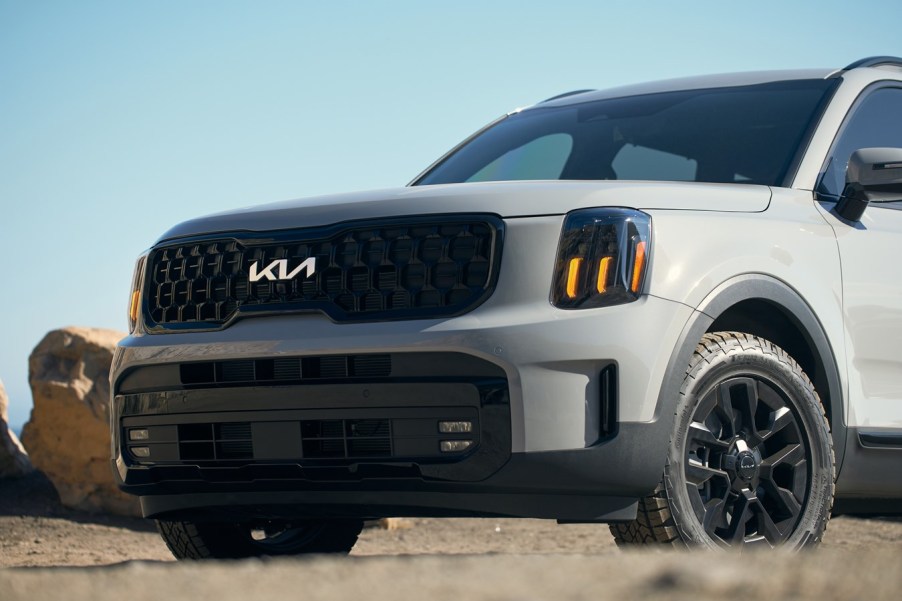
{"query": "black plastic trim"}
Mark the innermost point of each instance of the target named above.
(391, 399)
(880, 439)
(872, 471)
(867, 506)
(242, 506)
(599, 483)
(793, 169)
(166, 377)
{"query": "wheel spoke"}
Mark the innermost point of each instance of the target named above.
(791, 454)
(767, 527)
(779, 420)
(757, 542)
(742, 513)
(700, 433)
(744, 398)
(697, 473)
(725, 410)
(785, 499)
(715, 515)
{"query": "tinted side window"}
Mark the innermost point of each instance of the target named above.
(875, 122)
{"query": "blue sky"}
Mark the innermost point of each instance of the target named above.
(119, 119)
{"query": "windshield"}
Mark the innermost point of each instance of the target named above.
(745, 134)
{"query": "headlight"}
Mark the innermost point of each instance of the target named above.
(602, 258)
(134, 304)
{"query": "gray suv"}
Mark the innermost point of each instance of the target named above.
(674, 307)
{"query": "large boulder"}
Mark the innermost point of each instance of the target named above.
(13, 458)
(68, 436)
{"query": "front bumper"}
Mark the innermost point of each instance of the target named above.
(549, 449)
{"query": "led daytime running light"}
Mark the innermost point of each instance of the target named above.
(638, 267)
(573, 277)
(134, 306)
(602, 258)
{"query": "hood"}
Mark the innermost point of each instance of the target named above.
(505, 199)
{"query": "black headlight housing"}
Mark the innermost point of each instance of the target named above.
(602, 258)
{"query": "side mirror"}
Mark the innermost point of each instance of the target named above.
(873, 174)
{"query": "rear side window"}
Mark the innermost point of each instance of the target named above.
(747, 134)
(875, 122)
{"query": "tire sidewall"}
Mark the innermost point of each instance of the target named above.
(752, 357)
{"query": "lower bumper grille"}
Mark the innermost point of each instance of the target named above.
(416, 435)
(292, 435)
(346, 438)
(209, 442)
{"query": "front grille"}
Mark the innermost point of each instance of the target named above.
(397, 269)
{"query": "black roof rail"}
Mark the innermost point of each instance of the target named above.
(875, 61)
(564, 95)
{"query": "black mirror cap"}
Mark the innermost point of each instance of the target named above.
(873, 174)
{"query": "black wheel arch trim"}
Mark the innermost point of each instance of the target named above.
(746, 287)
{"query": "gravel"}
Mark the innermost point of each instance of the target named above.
(50, 552)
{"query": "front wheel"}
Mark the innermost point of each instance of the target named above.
(751, 456)
(217, 540)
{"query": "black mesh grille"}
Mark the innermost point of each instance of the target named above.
(346, 438)
(402, 269)
(262, 372)
(209, 442)
(320, 439)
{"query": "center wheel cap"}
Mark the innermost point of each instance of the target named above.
(746, 465)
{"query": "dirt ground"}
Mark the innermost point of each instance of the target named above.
(479, 558)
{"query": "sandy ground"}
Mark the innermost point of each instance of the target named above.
(460, 559)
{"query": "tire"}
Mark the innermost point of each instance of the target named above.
(216, 540)
(751, 456)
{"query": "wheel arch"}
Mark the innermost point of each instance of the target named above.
(764, 306)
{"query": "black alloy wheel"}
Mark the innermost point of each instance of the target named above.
(747, 472)
(751, 455)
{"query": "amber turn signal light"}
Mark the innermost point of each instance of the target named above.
(602, 258)
(638, 267)
(573, 277)
(133, 310)
(604, 272)
(134, 305)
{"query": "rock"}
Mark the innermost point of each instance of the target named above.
(68, 435)
(13, 458)
(389, 524)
